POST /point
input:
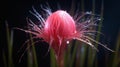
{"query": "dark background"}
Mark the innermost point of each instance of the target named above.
(16, 11)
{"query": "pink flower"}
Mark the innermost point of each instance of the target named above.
(59, 28)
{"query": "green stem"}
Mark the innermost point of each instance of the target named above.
(52, 58)
(29, 57)
(116, 61)
(34, 53)
(10, 45)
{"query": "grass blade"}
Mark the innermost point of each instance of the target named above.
(116, 61)
(35, 63)
(10, 45)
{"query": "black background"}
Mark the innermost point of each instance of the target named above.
(16, 11)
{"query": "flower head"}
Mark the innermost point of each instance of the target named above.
(59, 28)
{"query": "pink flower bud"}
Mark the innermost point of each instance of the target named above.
(59, 28)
